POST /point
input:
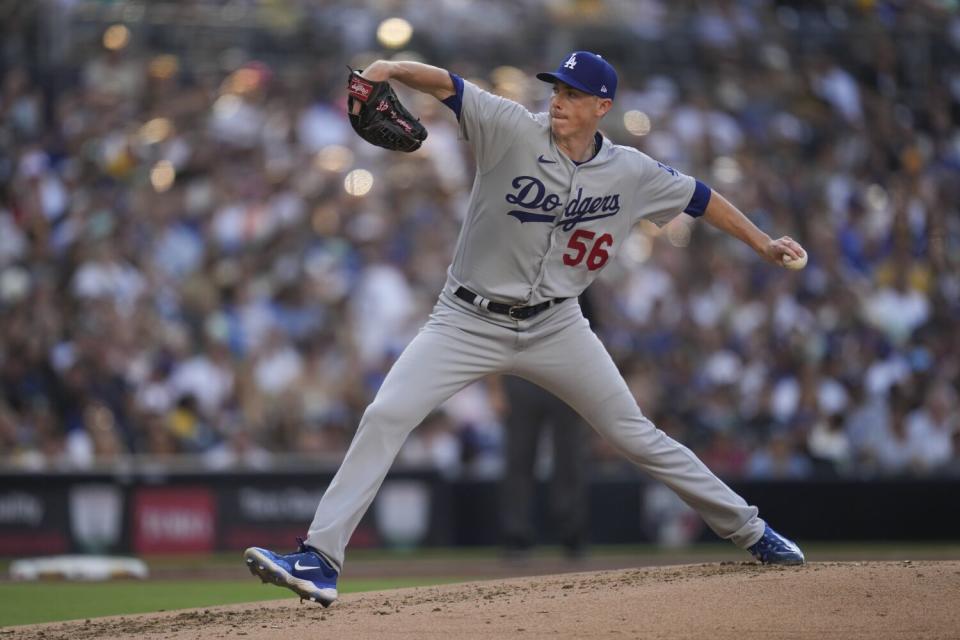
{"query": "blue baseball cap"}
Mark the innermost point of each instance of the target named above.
(587, 72)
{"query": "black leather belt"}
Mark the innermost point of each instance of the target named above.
(517, 312)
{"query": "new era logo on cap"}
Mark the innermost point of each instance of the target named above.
(587, 72)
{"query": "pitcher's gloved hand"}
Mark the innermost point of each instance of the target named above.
(378, 116)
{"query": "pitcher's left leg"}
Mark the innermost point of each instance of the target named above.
(573, 364)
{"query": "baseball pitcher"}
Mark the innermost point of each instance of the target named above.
(552, 202)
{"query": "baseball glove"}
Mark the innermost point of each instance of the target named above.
(382, 119)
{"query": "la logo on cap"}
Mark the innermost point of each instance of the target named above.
(603, 88)
(571, 61)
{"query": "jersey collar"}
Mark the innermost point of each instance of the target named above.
(599, 143)
(601, 150)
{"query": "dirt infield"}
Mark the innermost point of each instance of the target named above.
(735, 600)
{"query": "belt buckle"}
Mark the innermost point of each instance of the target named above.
(518, 308)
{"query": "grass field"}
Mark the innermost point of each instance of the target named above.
(48, 602)
(35, 602)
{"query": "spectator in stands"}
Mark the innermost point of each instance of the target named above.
(177, 248)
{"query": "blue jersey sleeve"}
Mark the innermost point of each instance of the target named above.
(699, 201)
(455, 102)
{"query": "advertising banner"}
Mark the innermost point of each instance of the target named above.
(266, 513)
(33, 521)
(176, 519)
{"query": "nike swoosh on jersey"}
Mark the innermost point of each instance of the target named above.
(300, 567)
(545, 161)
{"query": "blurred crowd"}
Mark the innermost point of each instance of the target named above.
(198, 256)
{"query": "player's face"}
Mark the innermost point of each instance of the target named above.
(572, 111)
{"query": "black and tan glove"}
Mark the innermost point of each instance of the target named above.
(378, 116)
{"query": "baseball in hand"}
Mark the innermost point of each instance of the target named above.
(794, 263)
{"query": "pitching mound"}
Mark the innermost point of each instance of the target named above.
(870, 600)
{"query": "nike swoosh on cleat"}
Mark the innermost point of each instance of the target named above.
(545, 161)
(300, 567)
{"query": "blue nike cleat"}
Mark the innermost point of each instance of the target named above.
(773, 548)
(305, 572)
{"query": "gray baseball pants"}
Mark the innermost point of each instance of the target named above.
(555, 349)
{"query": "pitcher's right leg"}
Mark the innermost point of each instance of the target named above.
(451, 351)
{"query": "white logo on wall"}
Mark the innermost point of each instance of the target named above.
(670, 521)
(402, 512)
(17, 507)
(96, 515)
(571, 61)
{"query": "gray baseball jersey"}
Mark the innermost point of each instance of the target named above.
(540, 226)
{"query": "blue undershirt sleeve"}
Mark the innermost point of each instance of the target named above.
(455, 102)
(699, 201)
